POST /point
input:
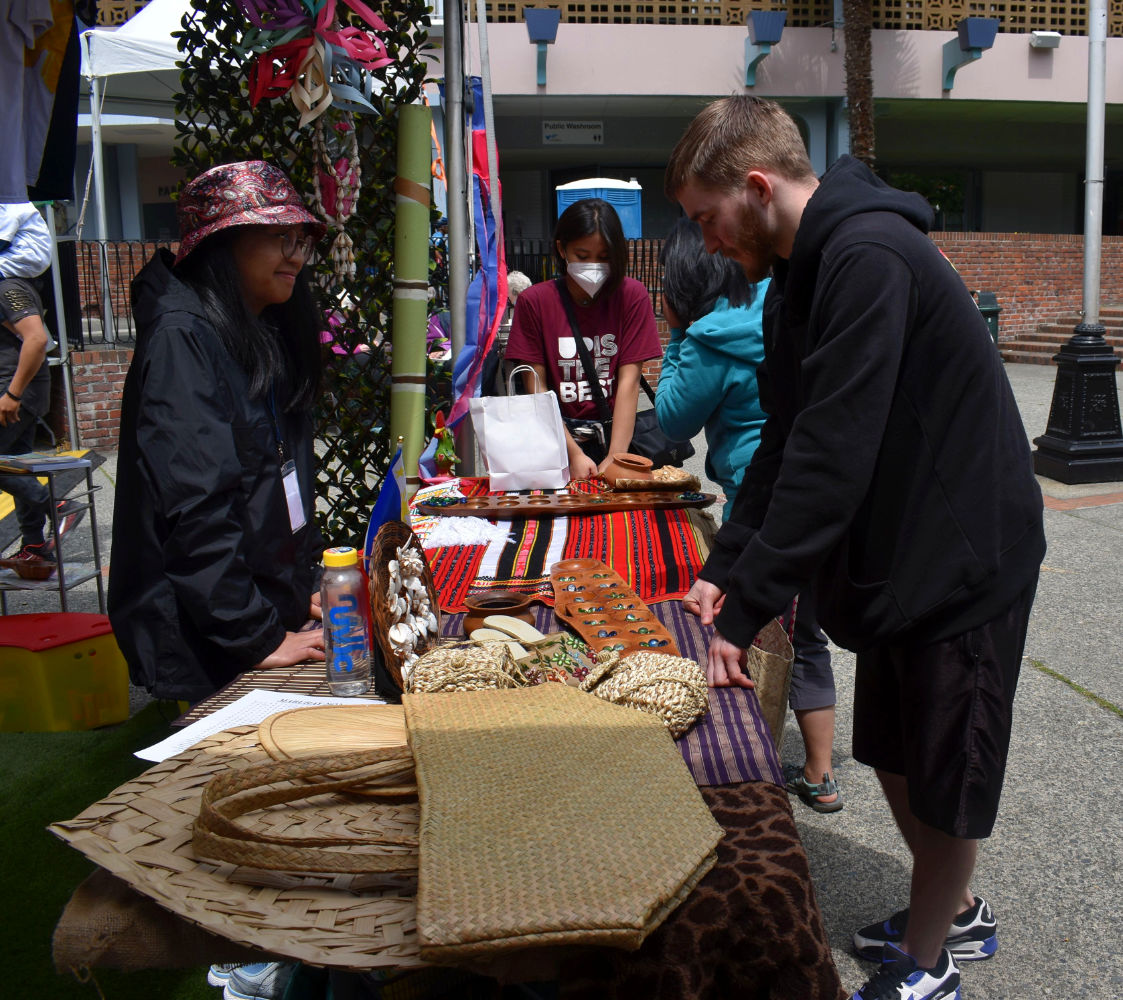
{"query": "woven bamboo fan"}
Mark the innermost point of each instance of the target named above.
(328, 729)
(384, 610)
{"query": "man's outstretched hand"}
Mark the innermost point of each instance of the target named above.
(704, 600)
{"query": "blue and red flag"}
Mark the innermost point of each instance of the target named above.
(487, 292)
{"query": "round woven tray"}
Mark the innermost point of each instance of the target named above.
(328, 729)
(142, 834)
(392, 536)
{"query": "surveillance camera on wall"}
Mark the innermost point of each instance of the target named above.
(1044, 39)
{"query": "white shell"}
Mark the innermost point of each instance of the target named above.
(401, 636)
(410, 562)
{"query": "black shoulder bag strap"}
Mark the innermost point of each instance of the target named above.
(586, 359)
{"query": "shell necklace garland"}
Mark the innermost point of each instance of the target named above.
(411, 614)
(336, 182)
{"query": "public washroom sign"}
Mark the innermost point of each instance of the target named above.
(570, 133)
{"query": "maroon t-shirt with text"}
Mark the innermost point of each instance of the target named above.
(618, 329)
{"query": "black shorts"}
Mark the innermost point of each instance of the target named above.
(940, 714)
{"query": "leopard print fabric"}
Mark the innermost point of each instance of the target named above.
(751, 930)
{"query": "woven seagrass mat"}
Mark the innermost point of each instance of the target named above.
(141, 833)
(549, 817)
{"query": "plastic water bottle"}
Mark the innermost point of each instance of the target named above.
(346, 636)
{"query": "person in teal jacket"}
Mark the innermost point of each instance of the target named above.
(708, 381)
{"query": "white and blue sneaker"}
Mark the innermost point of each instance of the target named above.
(900, 978)
(259, 981)
(973, 935)
(219, 975)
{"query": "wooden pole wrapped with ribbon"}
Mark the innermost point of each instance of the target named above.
(411, 286)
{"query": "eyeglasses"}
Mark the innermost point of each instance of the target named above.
(294, 241)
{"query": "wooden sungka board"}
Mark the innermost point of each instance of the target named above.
(595, 601)
(565, 504)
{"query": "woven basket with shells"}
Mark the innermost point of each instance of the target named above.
(404, 607)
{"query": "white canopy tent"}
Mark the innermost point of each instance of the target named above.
(142, 50)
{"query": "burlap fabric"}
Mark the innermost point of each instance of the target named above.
(549, 817)
(108, 925)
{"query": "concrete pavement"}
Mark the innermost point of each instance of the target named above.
(1051, 869)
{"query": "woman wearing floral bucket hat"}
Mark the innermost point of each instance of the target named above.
(215, 553)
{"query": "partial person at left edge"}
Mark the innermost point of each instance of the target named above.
(215, 558)
(25, 379)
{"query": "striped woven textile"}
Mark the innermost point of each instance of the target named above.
(731, 742)
(658, 553)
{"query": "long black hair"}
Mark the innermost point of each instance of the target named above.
(694, 280)
(281, 347)
(594, 215)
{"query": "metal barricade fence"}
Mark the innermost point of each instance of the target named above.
(96, 276)
(96, 283)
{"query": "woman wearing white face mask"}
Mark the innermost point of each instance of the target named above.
(617, 324)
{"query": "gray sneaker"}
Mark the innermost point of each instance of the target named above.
(260, 981)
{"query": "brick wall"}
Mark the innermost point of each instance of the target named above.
(98, 378)
(1036, 277)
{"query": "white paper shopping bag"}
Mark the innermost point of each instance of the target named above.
(521, 439)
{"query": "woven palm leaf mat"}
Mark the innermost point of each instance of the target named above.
(549, 817)
(142, 834)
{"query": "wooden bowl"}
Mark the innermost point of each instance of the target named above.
(497, 602)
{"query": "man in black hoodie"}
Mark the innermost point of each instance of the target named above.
(894, 473)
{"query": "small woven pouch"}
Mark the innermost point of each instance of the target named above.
(670, 687)
(333, 847)
(465, 666)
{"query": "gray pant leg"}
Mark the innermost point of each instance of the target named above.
(812, 676)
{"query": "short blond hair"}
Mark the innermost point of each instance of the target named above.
(732, 136)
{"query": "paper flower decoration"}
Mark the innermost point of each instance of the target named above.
(300, 50)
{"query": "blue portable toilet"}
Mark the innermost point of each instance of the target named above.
(624, 196)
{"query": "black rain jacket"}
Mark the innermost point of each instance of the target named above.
(893, 470)
(206, 573)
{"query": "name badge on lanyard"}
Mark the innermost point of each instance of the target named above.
(288, 473)
(292, 495)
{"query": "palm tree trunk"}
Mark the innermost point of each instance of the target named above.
(857, 26)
